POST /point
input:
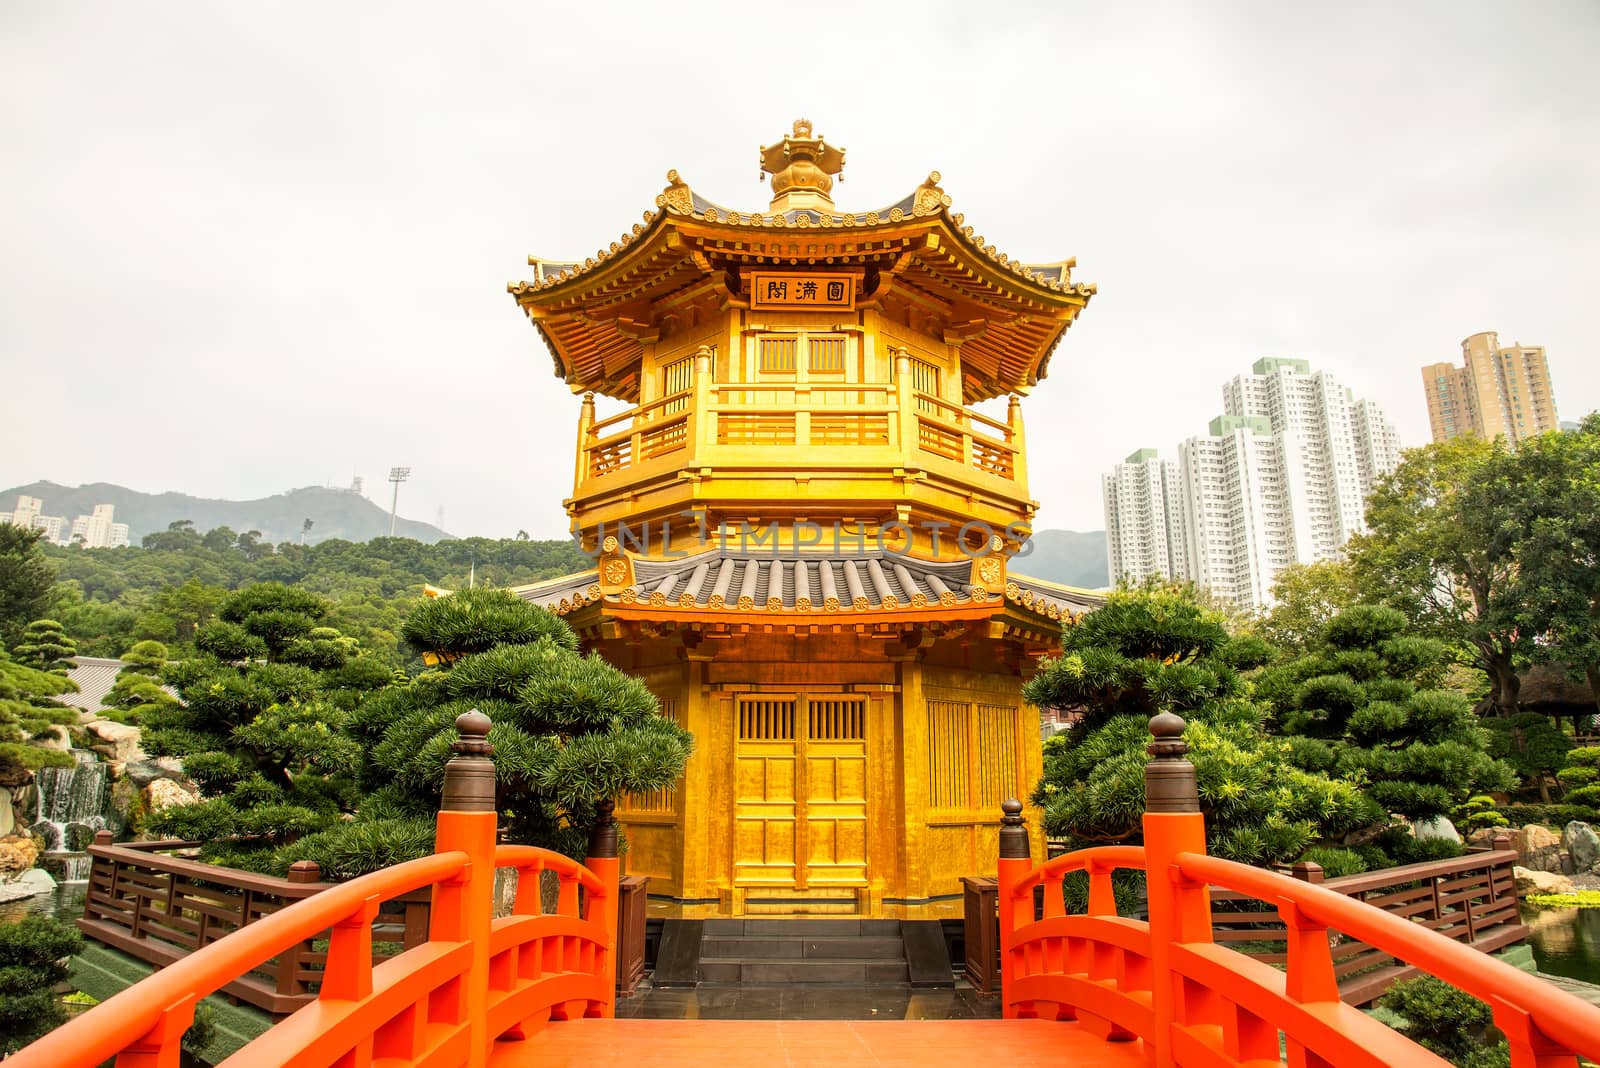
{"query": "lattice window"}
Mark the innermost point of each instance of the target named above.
(925, 379)
(677, 377)
(836, 719)
(958, 730)
(776, 352)
(997, 755)
(826, 354)
(661, 802)
(948, 767)
(764, 719)
(849, 430)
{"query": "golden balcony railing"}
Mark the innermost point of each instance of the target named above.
(719, 423)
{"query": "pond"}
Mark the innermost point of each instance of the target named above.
(65, 903)
(1565, 942)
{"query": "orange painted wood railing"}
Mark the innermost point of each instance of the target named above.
(441, 1004)
(1197, 1003)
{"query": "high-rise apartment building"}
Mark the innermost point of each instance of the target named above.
(1499, 391)
(1144, 517)
(28, 509)
(1280, 478)
(98, 530)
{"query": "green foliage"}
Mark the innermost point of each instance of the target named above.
(1585, 757)
(476, 620)
(1477, 812)
(1153, 649)
(1577, 776)
(1305, 597)
(173, 587)
(1558, 815)
(1437, 550)
(568, 730)
(45, 645)
(1417, 752)
(1336, 862)
(26, 580)
(353, 849)
(1578, 899)
(1447, 1021)
(33, 952)
(1529, 742)
(266, 742)
(28, 709)
(1402, 847)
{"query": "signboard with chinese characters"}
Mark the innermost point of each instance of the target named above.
(802, 291)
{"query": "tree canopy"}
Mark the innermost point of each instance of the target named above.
(1154, 650)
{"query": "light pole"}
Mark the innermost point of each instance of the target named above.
(397, 475)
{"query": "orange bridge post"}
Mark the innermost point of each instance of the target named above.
(1180, 909)
(1015, 912)
(603, 861)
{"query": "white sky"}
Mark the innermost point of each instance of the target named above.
(257, 246)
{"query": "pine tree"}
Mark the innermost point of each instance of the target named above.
(569, 730)
(1364, 704)
(1155, 650)
(265, 740)
(45, 645)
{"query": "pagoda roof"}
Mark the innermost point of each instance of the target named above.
(597, 314)
(718, 581)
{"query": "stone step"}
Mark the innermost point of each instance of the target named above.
(804, 972)
(801, 928)
(874, 947)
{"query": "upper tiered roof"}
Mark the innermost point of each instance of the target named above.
(913, 259)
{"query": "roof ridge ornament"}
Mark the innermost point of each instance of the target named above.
(802, 168)
(677, 196)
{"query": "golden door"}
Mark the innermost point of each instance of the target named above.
(800, 818)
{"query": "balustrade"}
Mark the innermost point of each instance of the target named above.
(1193, 1001)
(904, 424)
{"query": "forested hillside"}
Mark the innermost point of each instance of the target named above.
(110, 598)
(334, 513)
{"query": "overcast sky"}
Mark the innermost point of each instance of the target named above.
(257, 246)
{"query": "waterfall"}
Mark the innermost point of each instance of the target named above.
(72, 806)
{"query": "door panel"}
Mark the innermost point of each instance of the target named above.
(801, 815)
(766, 798)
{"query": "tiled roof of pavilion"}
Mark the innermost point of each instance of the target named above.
(722, 581)
(598, 314)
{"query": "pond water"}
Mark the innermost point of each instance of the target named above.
(1565, 942)
(65, 903)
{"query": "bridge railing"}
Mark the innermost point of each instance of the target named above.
(1194, 1002)
(442, 1003)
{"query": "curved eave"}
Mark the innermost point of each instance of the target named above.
(582, 309)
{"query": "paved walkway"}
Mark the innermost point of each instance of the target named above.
(629, 1043)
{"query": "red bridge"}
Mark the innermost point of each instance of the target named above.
(535, 988)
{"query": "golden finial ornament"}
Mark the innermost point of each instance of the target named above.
(802, 168)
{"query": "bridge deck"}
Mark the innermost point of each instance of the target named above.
(797, 1043)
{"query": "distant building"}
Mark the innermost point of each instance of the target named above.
(1144, 516)
(1499, 391)
(1280, 478)
(98, 531)
(27, 515)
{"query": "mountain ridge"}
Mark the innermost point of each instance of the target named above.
(334, 513)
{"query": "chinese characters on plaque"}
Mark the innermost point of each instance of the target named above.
(802, 291)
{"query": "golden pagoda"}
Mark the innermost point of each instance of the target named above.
(802, 531)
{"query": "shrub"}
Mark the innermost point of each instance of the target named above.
(354, 849)
(1588, 756)
(1447, 1021)
(32, 960)
(1336, 862)
(1478, 811)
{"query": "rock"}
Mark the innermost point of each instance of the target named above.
(8, 819)
(1482, 838)
(17, 853)
(28, 884)
(122, 739)
(1438, 827)
(164, 793)
(1582, 844)
(1540, 882)
(145, 771)
(1538, 848)
(54, 736)
(126, 812)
